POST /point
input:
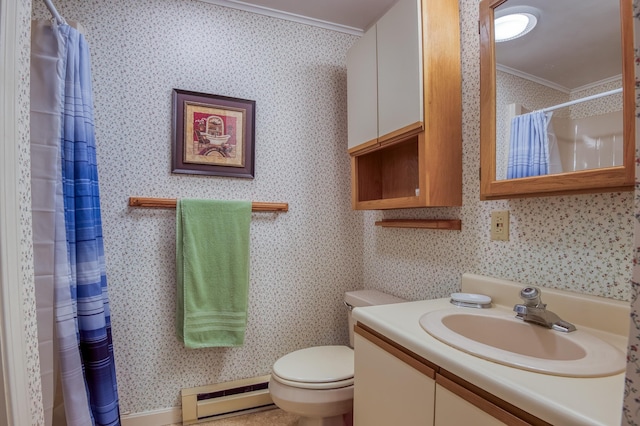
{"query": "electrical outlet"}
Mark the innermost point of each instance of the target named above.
(500, 225)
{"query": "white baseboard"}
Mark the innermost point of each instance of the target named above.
(164, 417)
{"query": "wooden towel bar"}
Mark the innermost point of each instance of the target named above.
(170, 203)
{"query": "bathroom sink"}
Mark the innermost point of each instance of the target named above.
(499, 336)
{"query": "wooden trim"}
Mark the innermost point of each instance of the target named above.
(364, 147)
(487, 98)
(609, 179)
(354, 183)
(448, 224)
(171, 203)
(629, 90)
(402, 134)
(388, 203)
(384, 141)
(405, 355)
(442, 85)
(511, 195)
(486, 401)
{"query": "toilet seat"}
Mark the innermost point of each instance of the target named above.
(319, 367)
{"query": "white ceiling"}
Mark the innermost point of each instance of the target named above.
(576, 42)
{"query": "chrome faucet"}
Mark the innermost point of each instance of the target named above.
(533, 310)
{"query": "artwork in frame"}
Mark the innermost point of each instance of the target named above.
(213, 135)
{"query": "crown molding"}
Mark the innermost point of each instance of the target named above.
(261, 10)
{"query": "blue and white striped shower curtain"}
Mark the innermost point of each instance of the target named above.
(529, 145)
(62, 122)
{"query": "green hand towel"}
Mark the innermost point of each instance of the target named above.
(212, 272)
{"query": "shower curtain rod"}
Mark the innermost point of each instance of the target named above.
(59, 19)
(586, 98)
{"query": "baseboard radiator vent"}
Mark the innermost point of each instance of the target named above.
(225, 399)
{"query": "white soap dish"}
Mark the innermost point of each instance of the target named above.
(470, 300)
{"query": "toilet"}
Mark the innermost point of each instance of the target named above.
(317, 383)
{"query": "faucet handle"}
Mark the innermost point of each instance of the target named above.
(531, 297)
(520, 310)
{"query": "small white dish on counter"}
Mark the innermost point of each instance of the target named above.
(471, 300)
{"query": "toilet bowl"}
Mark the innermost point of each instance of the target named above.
(316, 383)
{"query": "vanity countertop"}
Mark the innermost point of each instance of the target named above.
(558, 400)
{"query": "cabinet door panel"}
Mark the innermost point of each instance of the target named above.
(451, 410)
(400, 87)
(389, 391)
(362, 90)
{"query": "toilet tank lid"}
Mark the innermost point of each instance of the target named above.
(370, 298)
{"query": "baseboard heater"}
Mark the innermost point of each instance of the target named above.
(225, 399)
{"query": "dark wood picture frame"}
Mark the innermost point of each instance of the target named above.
(213, 135)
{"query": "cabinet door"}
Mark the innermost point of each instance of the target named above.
(451, 410)
(389, 391)
(362, 90)
(456, 405)
(400, 84)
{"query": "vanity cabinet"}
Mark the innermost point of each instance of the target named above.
(457, 405)
(390, 386)
(404, 108)
(393, 385)
(454, 410)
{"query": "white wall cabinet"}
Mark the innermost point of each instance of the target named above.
(362, 96)
(384, 76)
(404, 104)
(400, 84)
(395, 386)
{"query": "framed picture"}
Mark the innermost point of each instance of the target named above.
(213, 135)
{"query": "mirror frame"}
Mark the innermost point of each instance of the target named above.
(609, 179)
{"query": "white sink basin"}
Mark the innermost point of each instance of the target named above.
(501, 337)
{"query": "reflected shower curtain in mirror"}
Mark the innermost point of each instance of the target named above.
(63, 93)
(529, 145)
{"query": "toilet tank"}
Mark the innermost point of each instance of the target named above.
(358, 298)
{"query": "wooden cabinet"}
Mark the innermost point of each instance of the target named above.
(404, 108)
(396, 386)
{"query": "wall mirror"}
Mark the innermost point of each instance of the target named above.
(557, 103)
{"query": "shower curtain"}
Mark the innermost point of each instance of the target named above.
(529, 145)
(71, 285)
